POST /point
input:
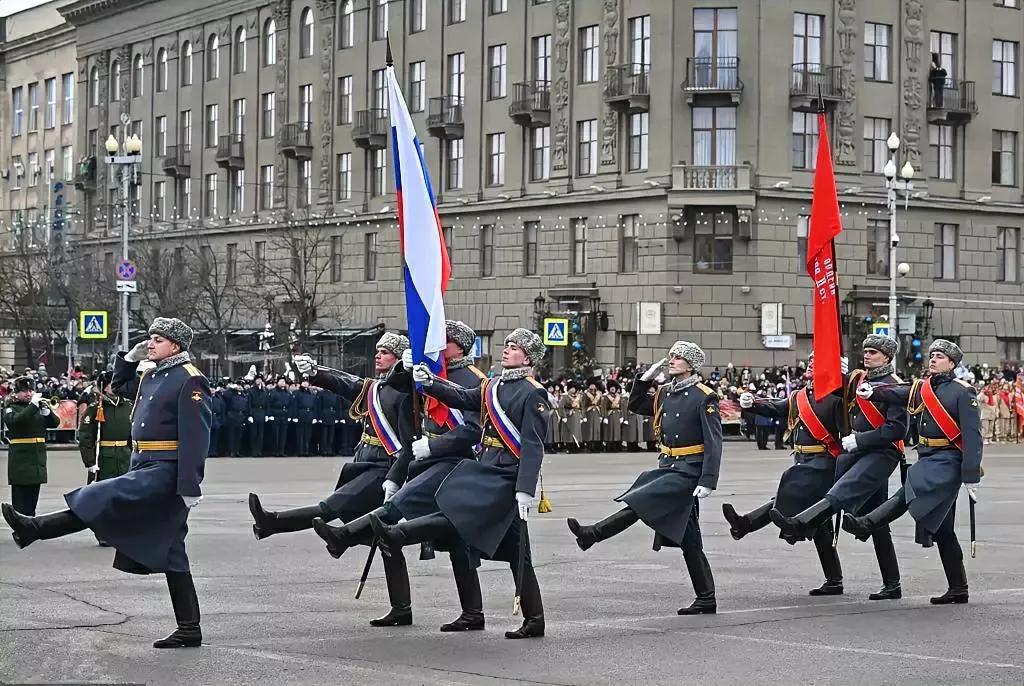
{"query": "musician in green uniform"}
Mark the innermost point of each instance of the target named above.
(27, 417)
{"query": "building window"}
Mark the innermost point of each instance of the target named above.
(446, 232)
(94, 87)
(210, 206)
(417, 16)
(876, 51)
(67, 160)
(238, 190)
(803, 225)
(1004, 158)
(878, 247)
(346, 27)
(336, 258)
(638, 132)
(586, 147)
(370, 256)
(184, 198)
(259, 261)
(945, 251)
(186, 64)
(487, 250)
(240, 50)
(805, 140)
(160, 200)
(212, 58)
(269, 43)
(640, 42)
(230, 263)
(33, 106)
(495, 159)
(238, 118)
(17, 112)
(267, 118)
(161, 71)
(1004, 67)
(306, 104)
(807, 41)
(160, 125)
(629, 246)
(380, 91)
(17, 172)
(379, 179)
(1009, 251)
(540, 153)
(211, 125)
(713, 232)
(454, 163)
(578, 247)
(50, 118)
(185, 129)
(115, 81)
(590, 44)
(457, 74)
(49, 164)
(497, 86)
(456, 11)
(715, 48)
(627, 349)
(137, 77)
(305, 190)
(944, 45)
(307, 37)
(498, 6)
(530, 235)
(380, 19)
(876, 152)
(344, 99)
(417, 84)
(941, 143)
(267, 187)
(541, 50)
(344, 172)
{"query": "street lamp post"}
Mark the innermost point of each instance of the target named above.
(125, 155)
(892, 186)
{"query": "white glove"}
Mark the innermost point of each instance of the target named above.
(191, 500)
(746, 400)
(653, 370)
(145, 366)
(44, 411)
(36, 399)
(305, 364)
(94, 469)
(421, 374)
(251, 420)
(849, 443)
(701, 492)
(138, 353)
(605, 420)
(314, 421)
(972, 490)
(421, 448)
(407, 358)
(524, 501)
(565, 420)
(844, 365)
(270, 419)
(865, 390)
(584, 420)
(295, 421)
(390, 488)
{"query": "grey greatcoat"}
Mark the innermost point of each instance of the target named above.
(593, 415)
(570, 411)
(614, 407)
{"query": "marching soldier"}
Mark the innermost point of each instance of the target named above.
(279, 401)
(613, 416)
(236, 415)
(372, 478)
(632, 424)
(305, 416)
(217, 408)
(553, 440)
(479, 500)
(27, 417)
(257, 416)
(143, 514)
(328, 414)
(949, 449)
(870, 454)
(689, 426)
(592, 405)
(571, 412)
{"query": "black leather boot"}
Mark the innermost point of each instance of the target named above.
(427, 528)
(27, 530)
(341, 538)
(741, 525)
(397, 576)
(889, 511)
(830, 564)
(531, 605)
(885, 552)
(586, 536)
(285, 521)
(186, 613)
(806, 523)
(470, 599)
(956, 576)
(703, 584)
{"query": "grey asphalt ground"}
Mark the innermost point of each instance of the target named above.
(281, 611)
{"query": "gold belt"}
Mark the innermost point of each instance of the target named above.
(489, 442)
(154, 446)
(427, 434)
(809, 449)
(114, 444)
(23, 441)
(371, 440)
(933, 442)
(681, 452)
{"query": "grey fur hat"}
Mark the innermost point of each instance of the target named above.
(173, 330)
(530, 342)
(460, 332)
(394, 343)
(689, 351)
(947, 348)
(883, 344)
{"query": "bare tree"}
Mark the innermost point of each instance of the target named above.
(23, 284)
(217, 299)
(164, 283)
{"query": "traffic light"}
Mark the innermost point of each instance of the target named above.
(914, 351)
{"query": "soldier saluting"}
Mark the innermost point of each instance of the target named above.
(949, 449)
(689, 427)
(27, 417)
(143, 514)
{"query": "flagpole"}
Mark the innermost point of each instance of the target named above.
(839, 318)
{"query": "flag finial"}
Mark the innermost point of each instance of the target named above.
(388, 59)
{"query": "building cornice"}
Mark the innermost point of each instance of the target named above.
(84, 12)
(39, 42)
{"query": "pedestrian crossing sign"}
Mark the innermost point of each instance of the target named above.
(880, 328)
(92, 324)
(556, 332)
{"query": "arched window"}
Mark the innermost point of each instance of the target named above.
(306, 37)
(115, 81)
(94, 87)
(346, 27)
(240, 56)
(186, 64)
(212, 58)
(269, 43)
(161, 70)
(137, 77)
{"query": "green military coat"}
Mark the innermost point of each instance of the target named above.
(116, 428)
(26, 462)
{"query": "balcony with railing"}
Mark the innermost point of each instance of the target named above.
(531, 103)
(231, 151)
(444, 117)
(713, 79)
(295, 141)
(627, 87)
(952, 103)
(809, 80)
(85, 176)
(178, 161)
(711, 185)
(370, 128)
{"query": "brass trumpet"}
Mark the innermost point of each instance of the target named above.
(54, 403)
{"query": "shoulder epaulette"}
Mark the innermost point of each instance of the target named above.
(963, 383)
(536, 384)
(191, 369)
(707, 390)
(479, 374)
(897, 378)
